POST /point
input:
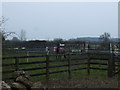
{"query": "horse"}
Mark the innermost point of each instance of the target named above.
(59, 52)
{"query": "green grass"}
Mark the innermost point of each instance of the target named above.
(64, 75)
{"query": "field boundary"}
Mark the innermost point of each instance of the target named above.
(112, 68)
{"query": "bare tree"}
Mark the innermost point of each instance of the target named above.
(105, 41)
(105, 37)
(58, 40)
(2, 30)
(3, 33)
(23, 35)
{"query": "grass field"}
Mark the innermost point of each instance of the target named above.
(64, 75)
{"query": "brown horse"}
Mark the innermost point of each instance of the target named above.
(59, 52)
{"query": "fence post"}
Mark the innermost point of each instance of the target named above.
(111, 65)
(16, 64)
(88, 65)
(84, 46)
(27, 55)
(113, 60)
(69, 66)
(47, 67)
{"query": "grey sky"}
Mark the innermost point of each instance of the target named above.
(62, 20)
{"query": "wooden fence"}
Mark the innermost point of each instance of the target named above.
(112, 63)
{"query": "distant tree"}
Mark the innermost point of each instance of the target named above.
(2, 30)
(23, 35)
(3, 33)
(105, 37)
(58, 40)
(105, 40)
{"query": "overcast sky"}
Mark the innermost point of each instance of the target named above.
(61, 20)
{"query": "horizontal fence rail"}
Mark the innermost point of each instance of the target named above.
(71, 59)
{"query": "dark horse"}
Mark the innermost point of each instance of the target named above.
(60, 52)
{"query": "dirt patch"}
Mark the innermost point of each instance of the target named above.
(86, 82)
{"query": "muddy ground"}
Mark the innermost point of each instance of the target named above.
(86, 82)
